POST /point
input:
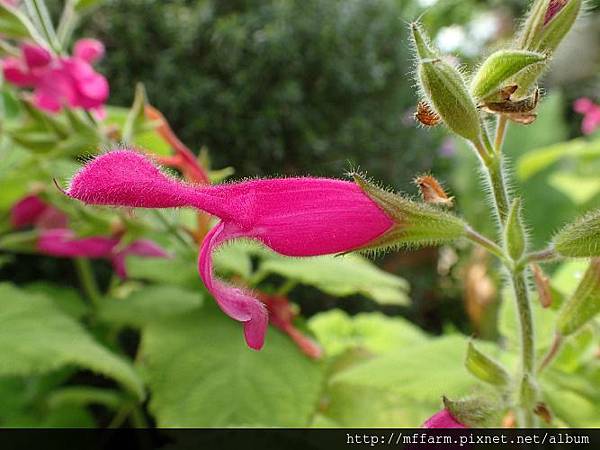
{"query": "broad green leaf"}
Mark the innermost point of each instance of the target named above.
(149, 304)
(180, 270)
(539, 159)
(37, 337)
(421, 372)
(336, 331)
(340, 276)
(568, 275)
(201, 374)
(65, 298)
(580, 189)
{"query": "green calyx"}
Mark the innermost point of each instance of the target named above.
(474, 412)
(514, 237)
(415, 224)
(580, 239)
(500, 67)
(445, 89)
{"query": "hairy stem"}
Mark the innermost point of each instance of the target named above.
(501, 201)
(486, 243)
(547, 254)
(87, 280)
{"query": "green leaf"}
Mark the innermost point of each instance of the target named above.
(485, 368)
(136, 115)
(201, 374)
(579, 188)
(14, 24)
(37, 337)
(581, 238)
(340, 276)
(149, 304)
(421, 372)
(337, 332)
(535, 161)
(179, 270)
(66, 298)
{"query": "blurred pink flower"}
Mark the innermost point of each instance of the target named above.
(590, 112)
(443, 419)
(62, 242)
(56, 239)
(293, 216)
(10, 2)
(33, 211)
(60, 81)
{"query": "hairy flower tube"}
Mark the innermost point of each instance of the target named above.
(56, 239)
(58, 81)
(293, 216)
(443, 419)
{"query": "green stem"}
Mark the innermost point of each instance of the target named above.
(500, 133)
(486, 243)
(547, 254)
(87, 280)
(38, 11)
(67, 23)
(497, 183)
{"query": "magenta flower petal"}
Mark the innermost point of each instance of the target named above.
(583, 105)
(27, 211)
(90, 50)
(233, 301)
(443, 419)
(36, 56)
(127, 178)
(64, 243)
(15, 73)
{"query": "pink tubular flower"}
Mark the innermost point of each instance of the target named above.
(57, 240)
(443, 419)
(63, 243)
(294, 217)
(590, 112)
(60, 81)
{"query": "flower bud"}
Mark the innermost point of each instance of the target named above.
(485, 368)
(445, 89)
(514, 239)
(497, 70)
(415, 224)
(580, 238)
(473, 412)
(547, 24)
(584, 304)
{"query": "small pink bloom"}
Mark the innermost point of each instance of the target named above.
(89, 50)
(443, 419)
(293, 216)
(60, 81)
(63, 243)
(27, 211)
(591, 114)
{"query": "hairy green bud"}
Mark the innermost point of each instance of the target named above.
(514, 238)
(499, 67)
(580, 239)
(474, 412)
(547, 24)
(485, 368)
(415, 224)
(445, 89)
(584, 304)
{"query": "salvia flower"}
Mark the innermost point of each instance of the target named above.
(294, 217)
(443, 419)
(590, 112)
(56, 239)
(58, 81)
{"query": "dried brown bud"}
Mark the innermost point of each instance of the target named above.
(542, 284)
(541, 410)
(426, 116)
(432, 191)
(521, 111)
